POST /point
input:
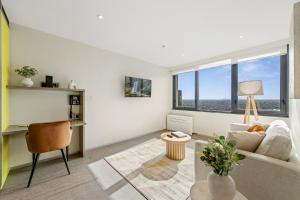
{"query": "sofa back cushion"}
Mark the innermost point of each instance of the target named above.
(277, 143)
(247, 141)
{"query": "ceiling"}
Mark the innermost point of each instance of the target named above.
(190, 29)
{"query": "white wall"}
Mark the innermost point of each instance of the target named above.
(110, 116)
(208, 123)
(295, 78)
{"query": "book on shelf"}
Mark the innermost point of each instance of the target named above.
(178, 134)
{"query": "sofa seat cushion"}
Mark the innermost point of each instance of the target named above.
(247, 141)
(278, 142)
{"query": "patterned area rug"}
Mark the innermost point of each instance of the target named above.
(154, 175)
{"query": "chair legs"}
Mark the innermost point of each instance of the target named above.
(35, 158)
(65, 160)
(67, 152)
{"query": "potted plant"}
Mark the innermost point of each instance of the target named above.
(222, 156)
(27, 72)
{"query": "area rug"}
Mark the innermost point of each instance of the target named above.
(155, 176)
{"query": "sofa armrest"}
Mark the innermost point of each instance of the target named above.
(259, 177)
(239, 127)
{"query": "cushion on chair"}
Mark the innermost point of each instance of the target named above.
(248, 141)
(278, 142)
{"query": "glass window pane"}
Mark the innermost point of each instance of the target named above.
(186, 90)
(267, 70)
(215, 89)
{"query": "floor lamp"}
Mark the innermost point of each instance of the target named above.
(250, 89)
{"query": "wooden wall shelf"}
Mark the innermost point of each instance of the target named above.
(15, 87)
(15, 129)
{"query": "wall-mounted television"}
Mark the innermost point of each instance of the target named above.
(137, 87)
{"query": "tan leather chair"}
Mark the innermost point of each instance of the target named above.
(46, 137)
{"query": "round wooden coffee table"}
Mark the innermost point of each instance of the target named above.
(199, 191)
(175, 147)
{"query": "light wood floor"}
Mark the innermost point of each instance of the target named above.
(51, 181)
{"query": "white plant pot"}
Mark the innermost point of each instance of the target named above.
(221, 187)
(27, 82)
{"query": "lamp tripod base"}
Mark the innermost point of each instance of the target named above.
(250, 102)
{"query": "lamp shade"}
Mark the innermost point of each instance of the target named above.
(250, 88)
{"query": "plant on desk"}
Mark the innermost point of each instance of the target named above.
(27, 72)
(222, 156)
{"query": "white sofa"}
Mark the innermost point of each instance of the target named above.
(259, 177)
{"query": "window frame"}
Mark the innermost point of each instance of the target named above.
(175, 87)
(284, 91)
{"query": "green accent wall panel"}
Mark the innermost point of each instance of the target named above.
(5, 78)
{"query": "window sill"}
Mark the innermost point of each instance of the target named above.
(234, 113)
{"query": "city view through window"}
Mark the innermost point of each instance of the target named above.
(215, 86)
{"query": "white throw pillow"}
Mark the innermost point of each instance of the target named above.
(248, 141)
(279, 123)
(277, 143)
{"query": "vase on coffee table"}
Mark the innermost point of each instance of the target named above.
(221, 187)
(222, 156)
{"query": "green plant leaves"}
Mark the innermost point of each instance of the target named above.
(26, 71)
(238, 157)
(221, 154)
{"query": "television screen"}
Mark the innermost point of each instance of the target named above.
(137, 87)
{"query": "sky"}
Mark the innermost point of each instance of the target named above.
(215, 83)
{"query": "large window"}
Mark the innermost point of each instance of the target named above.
(185, 93)
(267, 70)
(214, 89)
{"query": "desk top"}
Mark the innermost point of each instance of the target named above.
(15, 129)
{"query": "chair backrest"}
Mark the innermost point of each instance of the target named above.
(45, 137)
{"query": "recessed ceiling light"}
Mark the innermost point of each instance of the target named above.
(241, 36)
(99, 16)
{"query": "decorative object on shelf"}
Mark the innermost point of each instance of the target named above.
(27, 72)
(221, 155)
(56, 85)
(74, 100)
(73, 116)
(72, 84)
(250, 89)
(49, 82)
